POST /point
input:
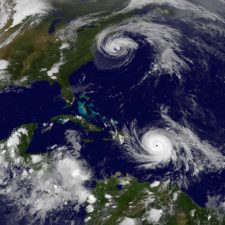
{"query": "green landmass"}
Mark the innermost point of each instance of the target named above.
(90, 127)
(34, 51)
(115, 136)
(25, 140)
(119, 197)
(83, 52)
(87, 140)
(31, 51)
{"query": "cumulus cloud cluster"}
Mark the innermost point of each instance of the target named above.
(44, 183)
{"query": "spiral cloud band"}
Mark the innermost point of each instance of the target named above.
(158, 145)
(116, 46)
(114, 50)
(175, 145)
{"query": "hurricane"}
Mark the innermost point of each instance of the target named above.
(114, 50)
(173, 146)
(95, 91)
(116, 47)
(158, 144)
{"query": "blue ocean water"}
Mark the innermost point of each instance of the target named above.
(114, 94)
(42, 101)
(25, 105)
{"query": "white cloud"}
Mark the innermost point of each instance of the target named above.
(89, 209)
(154, 215)
(91, 199)
(14, 140)
(3, 64)
(25, 8)
(107, 196)
(155, 184)
(5, 12)
(190, 155)
(59, 179)
(54, 70)
(18, 10)
(128, 221)
(134, 4)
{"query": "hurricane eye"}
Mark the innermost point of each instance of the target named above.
(158, 145)
(114, 50)
(175, 148)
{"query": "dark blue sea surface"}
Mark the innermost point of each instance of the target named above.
(37, 103)
(57, 17)
(52, 27)
(197, 100)
(114, 94)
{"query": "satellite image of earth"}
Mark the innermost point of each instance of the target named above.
(112, 112)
